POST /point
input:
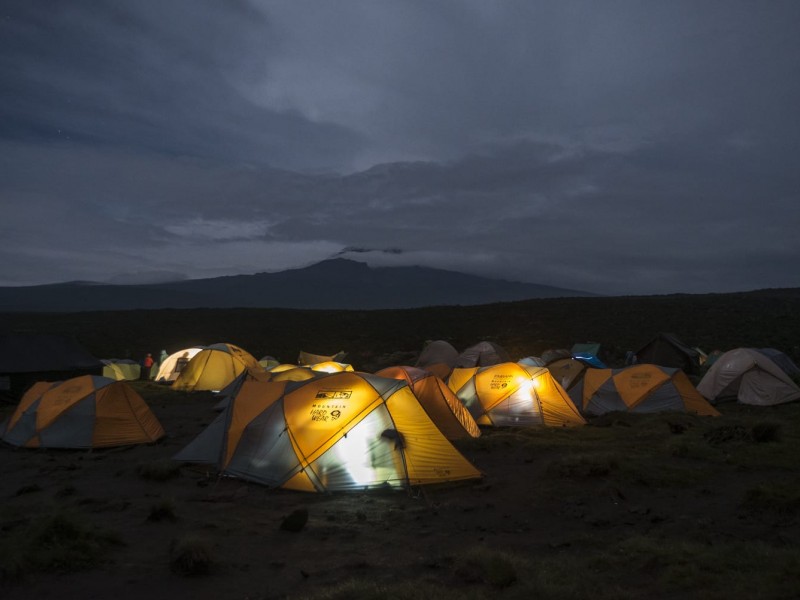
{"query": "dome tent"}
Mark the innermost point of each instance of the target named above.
(121, 369)
(307, 359)
(482, 354)
(441, 404)
(340, 432)
(510, 394)
(747, 375)
(439, 357)
(638, 389)
(84, 412)
(666, 350)
(214, 367)
(171, 367)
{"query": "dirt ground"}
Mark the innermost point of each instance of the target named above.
(627, 507)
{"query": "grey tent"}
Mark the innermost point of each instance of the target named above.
(782, 360)
(483, 354)
(438, 357)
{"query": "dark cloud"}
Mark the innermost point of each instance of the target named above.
(619, 148)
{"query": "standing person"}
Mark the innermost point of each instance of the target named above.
(162, 357)
(147, 364)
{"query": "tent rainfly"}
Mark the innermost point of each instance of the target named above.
(214, 367)
(443, 407)
(84, 412)
(510, 394)
(747, 375)
(639, 389)
(339, 432)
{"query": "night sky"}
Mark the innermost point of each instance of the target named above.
(618, 147)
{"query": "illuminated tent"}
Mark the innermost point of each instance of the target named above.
(171, 366)
(639, 389)
(748, 376)
(296, 374)
(234, 386)
(308, 359)
(85, 412)
(214, 367)
(483, 354)
(327, 366)
(344, 431)
(510, 394)
(441, 404)
(439, 357)
(283, 367)
(330, 366)
(121, 370)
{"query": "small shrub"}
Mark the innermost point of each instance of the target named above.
(190, 556)
(159, 470)
(481, 565)
(727, 434)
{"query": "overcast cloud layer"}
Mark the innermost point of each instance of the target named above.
(615, 147)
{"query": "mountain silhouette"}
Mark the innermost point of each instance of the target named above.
(331, 284)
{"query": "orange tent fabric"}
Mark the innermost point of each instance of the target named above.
(444, 408)
(342, 431)
(84, 412)
(214, 367)
(640, 388)
(510, 394)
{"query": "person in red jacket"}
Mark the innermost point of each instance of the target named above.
(147, 364)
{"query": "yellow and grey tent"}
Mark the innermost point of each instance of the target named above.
(171, 367)
(296, 374)
(339, 432)
(121, 370)
(639, 389)
(214, 367)
(443, 407)
(510, 394)
(84, 412)
(330, 366)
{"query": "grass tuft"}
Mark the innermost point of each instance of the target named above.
(58, 542)
(191, 556)
(481, 565)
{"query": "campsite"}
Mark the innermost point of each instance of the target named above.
(657, 505)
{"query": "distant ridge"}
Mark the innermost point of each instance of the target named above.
(331, 284)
